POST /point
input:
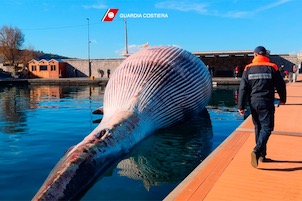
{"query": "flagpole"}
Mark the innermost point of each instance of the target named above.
(89, 62)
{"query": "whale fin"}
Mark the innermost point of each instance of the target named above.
(98, 110)
(97, 121)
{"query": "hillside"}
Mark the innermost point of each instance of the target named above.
(48, 56)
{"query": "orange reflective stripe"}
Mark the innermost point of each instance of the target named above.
(256, 64)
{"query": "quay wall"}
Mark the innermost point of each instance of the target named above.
(224, 66)
(81, 66)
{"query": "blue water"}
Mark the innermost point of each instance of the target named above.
(39, 123)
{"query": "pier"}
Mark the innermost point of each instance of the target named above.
(226, 174)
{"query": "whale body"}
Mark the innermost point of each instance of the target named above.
(154, 88)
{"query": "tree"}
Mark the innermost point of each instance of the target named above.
(26, 55)
(11, 40)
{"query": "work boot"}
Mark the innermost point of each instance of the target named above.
(254, 159)
(262, 158)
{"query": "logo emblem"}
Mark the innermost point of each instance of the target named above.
(110, 14)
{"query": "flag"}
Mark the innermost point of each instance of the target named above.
(110, 14)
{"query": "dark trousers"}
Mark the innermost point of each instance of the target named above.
(263, 114)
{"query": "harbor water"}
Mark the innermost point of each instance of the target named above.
(39, 123)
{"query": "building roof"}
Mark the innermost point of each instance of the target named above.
(38, 61)
(224, 53)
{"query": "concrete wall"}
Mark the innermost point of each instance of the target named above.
(82, 67)
(224, 66)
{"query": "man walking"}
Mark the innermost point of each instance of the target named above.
(259, 81)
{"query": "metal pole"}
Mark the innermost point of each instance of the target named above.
(126, 35)
(89, 62)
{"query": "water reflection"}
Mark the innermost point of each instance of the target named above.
(182, 146)
(13, 109)
(225, 96)
(38, 93)
(16, 100)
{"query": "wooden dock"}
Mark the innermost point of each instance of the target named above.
(227, 175)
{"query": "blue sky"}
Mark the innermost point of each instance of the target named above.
(61, 26)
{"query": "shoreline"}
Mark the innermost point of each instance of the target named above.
(96, 81)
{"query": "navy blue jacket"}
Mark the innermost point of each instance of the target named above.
(259, 81)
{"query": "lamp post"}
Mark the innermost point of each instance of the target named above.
(89, 62)
(126, 36)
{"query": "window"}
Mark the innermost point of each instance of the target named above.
(43, 68)
(53, 67)
(33, 68)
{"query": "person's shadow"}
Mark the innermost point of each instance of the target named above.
(268, 160)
